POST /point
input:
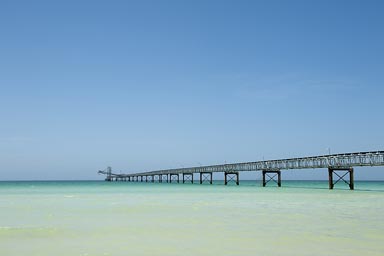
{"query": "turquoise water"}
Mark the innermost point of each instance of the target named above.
(121, 218)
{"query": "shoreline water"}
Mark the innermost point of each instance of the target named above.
(120, 218)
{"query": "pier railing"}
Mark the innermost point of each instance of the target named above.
(375, 158)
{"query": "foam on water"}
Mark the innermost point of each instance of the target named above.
(101, 218)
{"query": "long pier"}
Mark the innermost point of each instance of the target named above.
(340, 168)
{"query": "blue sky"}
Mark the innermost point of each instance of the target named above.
(146, 85)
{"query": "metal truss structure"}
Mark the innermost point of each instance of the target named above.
(374, 158)
(334, 163)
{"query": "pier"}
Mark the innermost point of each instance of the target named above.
(339, 166)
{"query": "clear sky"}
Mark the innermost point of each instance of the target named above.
(147, 85)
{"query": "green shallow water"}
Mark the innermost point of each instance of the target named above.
(121, 218)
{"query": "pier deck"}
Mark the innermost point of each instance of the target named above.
(335, 163)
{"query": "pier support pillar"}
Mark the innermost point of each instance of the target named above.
(153, 178)
(187, 177)
(206, 176)
(271, 178)
(341, 172)
(172, 177)
(231, 176)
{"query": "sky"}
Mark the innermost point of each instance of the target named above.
(149, 85)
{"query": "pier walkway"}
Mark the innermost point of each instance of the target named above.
(339, 166)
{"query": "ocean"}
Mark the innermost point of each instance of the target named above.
(125, 218)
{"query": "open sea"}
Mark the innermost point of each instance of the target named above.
(124, 218)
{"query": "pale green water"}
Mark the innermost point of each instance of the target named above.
(101, 218)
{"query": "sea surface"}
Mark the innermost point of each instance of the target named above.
(125, 218)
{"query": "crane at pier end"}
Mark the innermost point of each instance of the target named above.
(108, 172)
